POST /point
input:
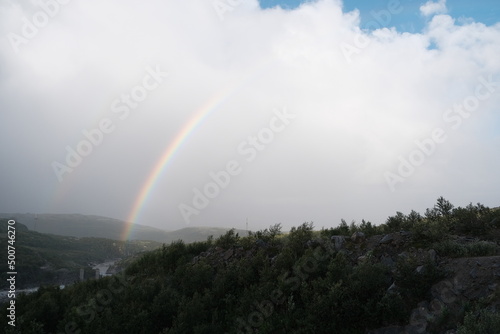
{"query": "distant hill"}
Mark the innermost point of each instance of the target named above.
(77, 225)
(432, 273)
(192, 234)
(52, 259)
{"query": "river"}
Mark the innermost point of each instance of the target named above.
(103, 267)
(103, 271)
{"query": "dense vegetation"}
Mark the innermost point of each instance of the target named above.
(267, 282)
(43, 258)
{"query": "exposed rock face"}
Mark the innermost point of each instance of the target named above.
(432, 255)
(338, 241)
(228, 254)
(453, 293)
(469, 279)
(473, 287)
(387, 239)
(387, 261)
(358, 237)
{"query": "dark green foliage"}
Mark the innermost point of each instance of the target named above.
(342, 229)
(269, 283)
(428, 231)
(298, 237)
(444, 219)
(473, 220)
(368, 228)
(393, 309)
(311, 288)
(395, 223)
(445, 321)
(483, 321)
(227, 240)
(443, 206)
(268, 236)
(415, 281)
(39, 256)
(167, 258)
(411, 220)
(455, 249)
(401, 222)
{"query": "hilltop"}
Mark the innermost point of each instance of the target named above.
(78, 225)
(433, 273)
(52, 259)
(46, 258)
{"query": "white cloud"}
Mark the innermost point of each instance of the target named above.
(433, 8)
(354, 119)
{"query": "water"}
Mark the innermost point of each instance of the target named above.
(103, 267)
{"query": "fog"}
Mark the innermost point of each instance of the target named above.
(271, 115)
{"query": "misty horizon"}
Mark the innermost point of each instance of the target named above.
(216, 113)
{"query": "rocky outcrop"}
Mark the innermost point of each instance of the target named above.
(358, 237)
(472, 279)
(388, 238)
(338, 242)
(468, 281)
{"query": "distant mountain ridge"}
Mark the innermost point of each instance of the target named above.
(43, 258)
(78, 225)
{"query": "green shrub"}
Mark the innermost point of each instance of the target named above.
(228, 239)
(395, 223)
(454, 249)
(484, 322)
(416, 285)
(393, 309)
(298, 237)
(481, 248)
(342, 229)
(444, 321)
(268, 235)
(450, 248)
(473, 219)
(429, 231)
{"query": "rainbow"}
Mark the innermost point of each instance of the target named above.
(206, 109)
(201, 114)
(172, 147)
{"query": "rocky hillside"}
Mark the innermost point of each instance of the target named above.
(465, 281)
(431, 273)
(52, 259)
(89, 226)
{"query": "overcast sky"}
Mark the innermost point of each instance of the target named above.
(308, 113)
